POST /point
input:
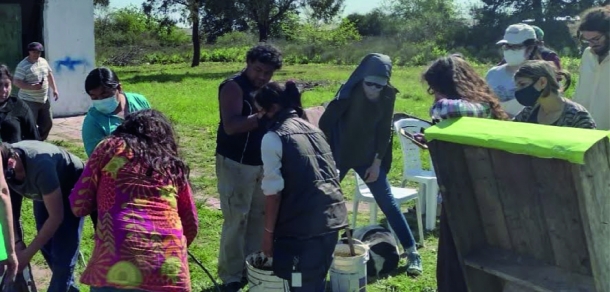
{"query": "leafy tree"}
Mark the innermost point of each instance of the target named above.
(266, 13)
(101, 3)
(190, 11)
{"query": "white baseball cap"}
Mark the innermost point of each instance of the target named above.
(516, 34)
(383, 81)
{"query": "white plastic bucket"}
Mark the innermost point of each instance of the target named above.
(262, 280)
(347, 273)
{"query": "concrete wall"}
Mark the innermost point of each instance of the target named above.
(70, 49)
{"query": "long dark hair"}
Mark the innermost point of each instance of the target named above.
(103, 77)
(454, 78)
(287, 96)
(150, 135)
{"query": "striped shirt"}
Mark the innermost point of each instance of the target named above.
(574, 115)
(454, 108)
(33, 73)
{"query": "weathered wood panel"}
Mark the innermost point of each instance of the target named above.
(528, 272)
(487, 196)
(593, 186)
(462, 211)
(562, 214)
(522, 205)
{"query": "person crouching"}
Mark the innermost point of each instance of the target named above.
(304, 205)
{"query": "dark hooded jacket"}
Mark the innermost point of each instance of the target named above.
(333, 122)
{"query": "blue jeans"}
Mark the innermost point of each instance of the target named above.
(382, 193)
(62, 251)
(313, 258)
(112, 289)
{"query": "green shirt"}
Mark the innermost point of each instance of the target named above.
(98, 126)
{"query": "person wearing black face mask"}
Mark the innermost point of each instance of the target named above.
(539, 91)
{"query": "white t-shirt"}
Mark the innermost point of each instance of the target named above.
(501, 81)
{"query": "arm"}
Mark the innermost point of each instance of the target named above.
(53, 202)
(19, 80)
(273, 182)
(384, 131)
(6, 215)
(231, 105)
(91, 134)
(52, 83)
(331, 115)
(188, 213)
(584, 120)
(83, 195)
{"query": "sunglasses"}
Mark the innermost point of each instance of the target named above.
(372, 84)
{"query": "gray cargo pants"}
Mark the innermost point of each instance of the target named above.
(243, 204)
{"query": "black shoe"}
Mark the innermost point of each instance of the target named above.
(232, 287)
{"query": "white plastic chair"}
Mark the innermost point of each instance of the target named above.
(412, 168)
(401, 195)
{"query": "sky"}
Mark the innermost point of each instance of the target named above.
(351, 6)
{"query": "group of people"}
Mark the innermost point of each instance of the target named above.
(279, 171)
(134, 186)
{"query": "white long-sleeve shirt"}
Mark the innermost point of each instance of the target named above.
(593, 88)
(271, 151)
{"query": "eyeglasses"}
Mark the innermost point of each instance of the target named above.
(509, 47)
(594, 40)
(372, 84)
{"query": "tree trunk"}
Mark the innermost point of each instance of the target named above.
(196, 42)
(538, 12)
(263, 32)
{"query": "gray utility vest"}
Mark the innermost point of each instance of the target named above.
(312, 203)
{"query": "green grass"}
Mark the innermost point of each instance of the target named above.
(189, 97)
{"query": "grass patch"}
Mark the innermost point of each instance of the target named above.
(189, 96)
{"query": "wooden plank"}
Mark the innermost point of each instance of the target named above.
(487, 196)
(562, 214)
(593, 188)
(528, 272)
(462, 210)
(522, 205)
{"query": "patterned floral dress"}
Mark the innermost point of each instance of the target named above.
(145, 222)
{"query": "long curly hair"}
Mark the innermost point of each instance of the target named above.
(150, 136)
(454, 78)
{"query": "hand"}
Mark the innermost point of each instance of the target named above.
(372, 173)
(420, 137)
(268, 244)
(56, 94)
(11, 266)
(23, 259)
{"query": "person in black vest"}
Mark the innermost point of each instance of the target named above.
(304, 205)
(238, 164)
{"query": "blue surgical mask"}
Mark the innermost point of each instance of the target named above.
(106, 105)
(528, 96)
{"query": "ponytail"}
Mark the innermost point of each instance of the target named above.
(292, 97)
(287, 96)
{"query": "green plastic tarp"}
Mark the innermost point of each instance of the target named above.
(519, 138)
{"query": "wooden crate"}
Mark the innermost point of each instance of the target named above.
(524, 219)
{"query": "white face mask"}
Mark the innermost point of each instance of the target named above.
(514, 57)
(372, 92)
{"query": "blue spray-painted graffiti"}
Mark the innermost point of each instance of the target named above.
(70, 64)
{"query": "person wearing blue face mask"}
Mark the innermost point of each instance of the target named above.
(110, 105)
(539, 91)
